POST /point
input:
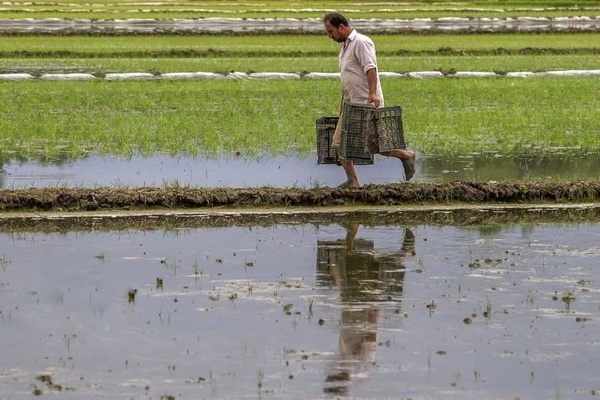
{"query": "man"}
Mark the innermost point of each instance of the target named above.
(360, 85)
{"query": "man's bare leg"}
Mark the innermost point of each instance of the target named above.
(351, 177)
(408, 160)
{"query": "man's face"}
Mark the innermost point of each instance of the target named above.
(334, 33)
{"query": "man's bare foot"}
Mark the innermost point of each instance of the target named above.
(348, 185)
(409, 167)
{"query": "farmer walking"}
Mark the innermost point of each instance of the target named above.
(360, 85)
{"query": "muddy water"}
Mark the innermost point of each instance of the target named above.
(280, 171)
(302, 311)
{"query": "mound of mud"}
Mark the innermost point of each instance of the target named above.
(80, 199)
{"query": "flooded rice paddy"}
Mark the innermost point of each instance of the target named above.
(286, 25)
(393, 305)
(283, 171)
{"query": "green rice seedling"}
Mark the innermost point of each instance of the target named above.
(401, 64)
(441, 116)
(175, 184)
(274, 45)
(530, 116)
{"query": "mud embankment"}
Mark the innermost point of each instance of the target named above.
(143, 198)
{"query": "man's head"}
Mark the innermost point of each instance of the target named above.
(337, 27)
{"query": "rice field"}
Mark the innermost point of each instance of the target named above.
(443, 116)
(453, 117)
(111, 9)
(203, 289)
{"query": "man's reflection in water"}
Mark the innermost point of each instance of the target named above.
(365, 280)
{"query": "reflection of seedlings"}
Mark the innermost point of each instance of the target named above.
(131, 295)
(474, 264)
(47, 380)
(457, 377)
(421, 263)
(567, 298)
(288, 308)
(339, 390)
(441, 352)
(4, 261)
(488, 309)
(260, 378)
(196, 380)
(342, 376)
(583, 282)
(431, 307)
(582, 319)
(159, 283)
(233, 297)
(196, 269)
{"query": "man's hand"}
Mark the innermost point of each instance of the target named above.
(373, 99)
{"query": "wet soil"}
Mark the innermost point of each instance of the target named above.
(82, 199)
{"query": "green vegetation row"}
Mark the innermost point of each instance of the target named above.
(445, 116)
(306, 9)
(288, 45)
(285, 53)
(102, 66)
(196, 13)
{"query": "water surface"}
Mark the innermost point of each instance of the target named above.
(302, 310)
(284, 171)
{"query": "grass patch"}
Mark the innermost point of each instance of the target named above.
(286, 45)
(102, 66)
(445, 116)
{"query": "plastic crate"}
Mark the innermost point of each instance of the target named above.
(326, 154)
(372, 130)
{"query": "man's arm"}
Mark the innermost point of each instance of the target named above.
(372, 81)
